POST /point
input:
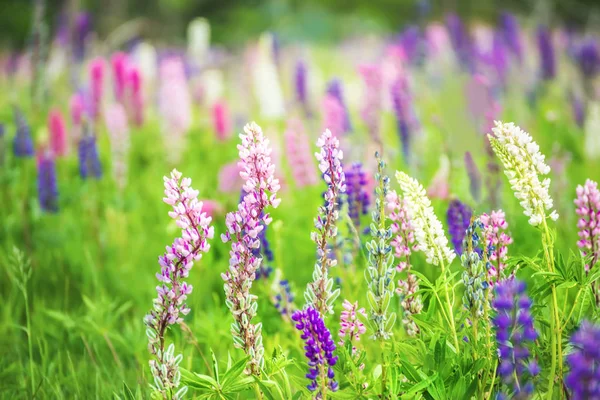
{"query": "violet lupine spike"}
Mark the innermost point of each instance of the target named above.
(357, 195)
(89, 162)
(578, 108)
(83, 27)
(334, 88)
(265, 269)
(319, 294)
(283, 297)
(46, 180)
(584, 379)
(351, 327)
(401, 102)
(511, 33)
(474, 177)
(319, 349)
(243, 229)
(588, 59)
(169, 307)
(515, 335)
(299, 155)
(23, 143)
(58, 133)
(588, 210)
(459, 218)
(495, 242)
(461, 41)
(301, 84)
(371, 109)
(546, 53)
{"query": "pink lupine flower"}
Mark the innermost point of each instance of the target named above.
(212, 208)
(495, 237)
(119, 70)
(299, 155)
(243, 229)
(76, 106)
(169, 307)
(334, 115)
(134, 95)
(58, 133)
(97, 67)
(588, 209)
(371, 111)
(440, 187)
(229, 178)
(221, 120)
(410, 302)
(118, 130)
(403, 241)
(351, 328)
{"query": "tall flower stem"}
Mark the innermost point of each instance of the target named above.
(449, 303)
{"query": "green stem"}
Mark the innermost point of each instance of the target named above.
(450, 311)
(383, 370)
(29, 342)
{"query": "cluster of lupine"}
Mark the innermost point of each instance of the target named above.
(175, 265)
(243, 228)
(584, 378)
(459, 218)
(474, 275)
(351, 327)
(283, 298)
(588, 209)
(299, 155)
(357, 196)
(496, 241)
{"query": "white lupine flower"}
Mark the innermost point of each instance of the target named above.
(523, 166)
(429, 231)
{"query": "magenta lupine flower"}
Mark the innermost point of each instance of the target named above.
(221, 120)
(333, 115)
(403, 241)
(371, 111)
(318, 293)
(496, 241)
(588, 209)
(351, 328)
(118, 131)
(299, 154)
(97, 67)
(212, 208)
(134, 95)
(319, 351)
(118, 63)
(58, 133)
(243, 229)
(175, 265)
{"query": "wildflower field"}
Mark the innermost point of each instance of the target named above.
(402, 216)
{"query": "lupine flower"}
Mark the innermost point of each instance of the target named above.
(283, 299)
(299, 155)
(211, 208)
(319, 351)
(591, 144)
(357, 196)
(333, 115)
(89, 163)
(401, 103)
(588, 209)
(169, 307)
(221, 120)
(410, 302)
(351, 327)
(546, 52)
(584, 381)
(523, 166)
(58, 133)
(371, 110)
(515, 335)
(461, 42)
(119, 66)
(76, 108)
(97, 67)
(429, 232)
(301, 84)
(243, 228)
(118, 130)
(411, 42)
(267, 88)
(509, 27)
(474, 177)
(459, 219)
(265, 269)
(23, 143)
(46, 180)
(439, 188)
(588, 59)
(403, 242)
(496, 241)
(334, 88)
(381, 269)
(134, 97)
(83, 27)
(318, 292)
(474, 275)
(578, 108)
(229, 178)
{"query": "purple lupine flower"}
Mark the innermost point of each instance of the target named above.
(83, 27)
(89, 163)
(334, 89)
(578, 108)
(584, 379)
(301, 83)
(175, 265)
(499, 58)
(46, 181)
(588, 59)
(319, 293)
(265, 269)
(461, 41)
(515, 334)
(243, 229)
(357, 195)
(401, 103)
(459, 218)
(546, 52)
(319, 347)
(474, 177)
(411, 42)
(23, 143)
(511, 34)
(588, 210)
(284, 298)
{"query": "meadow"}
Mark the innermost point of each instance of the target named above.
(326, 158)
